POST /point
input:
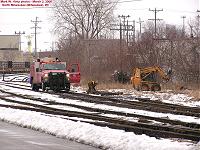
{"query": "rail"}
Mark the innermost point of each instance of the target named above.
(99, 117)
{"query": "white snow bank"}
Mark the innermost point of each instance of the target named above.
(90, 134)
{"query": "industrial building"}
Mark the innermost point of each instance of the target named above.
(10, 49)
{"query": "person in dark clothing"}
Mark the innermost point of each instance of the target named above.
(91, 87)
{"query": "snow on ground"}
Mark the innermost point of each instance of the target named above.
(49, 97)
(103, 137)
(167, 97)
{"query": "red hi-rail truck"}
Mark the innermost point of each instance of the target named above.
(49, 74)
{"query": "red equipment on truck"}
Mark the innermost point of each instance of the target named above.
(49, 74)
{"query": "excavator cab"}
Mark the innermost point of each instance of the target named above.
(147, 79)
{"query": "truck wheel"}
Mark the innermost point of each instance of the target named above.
(145, 87)
(67, 87)
(35, 87)
(43, 87)
(32, 87)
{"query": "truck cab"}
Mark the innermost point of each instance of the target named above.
(49, 74)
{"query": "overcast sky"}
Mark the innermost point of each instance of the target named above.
(172, 9)
(20, 19)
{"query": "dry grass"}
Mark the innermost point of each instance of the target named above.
(108, 85)
(191, 90)
(175, 88)
(103, 86)
(194, 93)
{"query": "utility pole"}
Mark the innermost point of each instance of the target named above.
(155, 19)
(130, 31)
(35, 33)
(127, 38)
(133, 30)
(124, 24)
(183, 17)
(140, 23)
(125, 27)
(19, 33)
(120, 43)
(120, 29)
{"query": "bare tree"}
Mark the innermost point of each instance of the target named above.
(85, 18)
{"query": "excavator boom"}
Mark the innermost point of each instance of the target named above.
(155, 69)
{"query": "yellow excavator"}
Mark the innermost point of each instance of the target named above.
(146, 79)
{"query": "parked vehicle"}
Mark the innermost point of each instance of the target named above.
(146, 79)
(49, 74)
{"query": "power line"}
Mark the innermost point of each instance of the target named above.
(155, 19)
(35, 33)
(124, 23)
(124, 27)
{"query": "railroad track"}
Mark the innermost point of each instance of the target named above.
(137, 103)
(187, 130)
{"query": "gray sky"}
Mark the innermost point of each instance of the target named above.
(20, 19)
(172, 9)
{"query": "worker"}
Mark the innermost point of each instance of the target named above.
(91, 87)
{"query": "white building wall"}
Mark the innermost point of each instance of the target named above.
(9, 48)
(11, 42)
